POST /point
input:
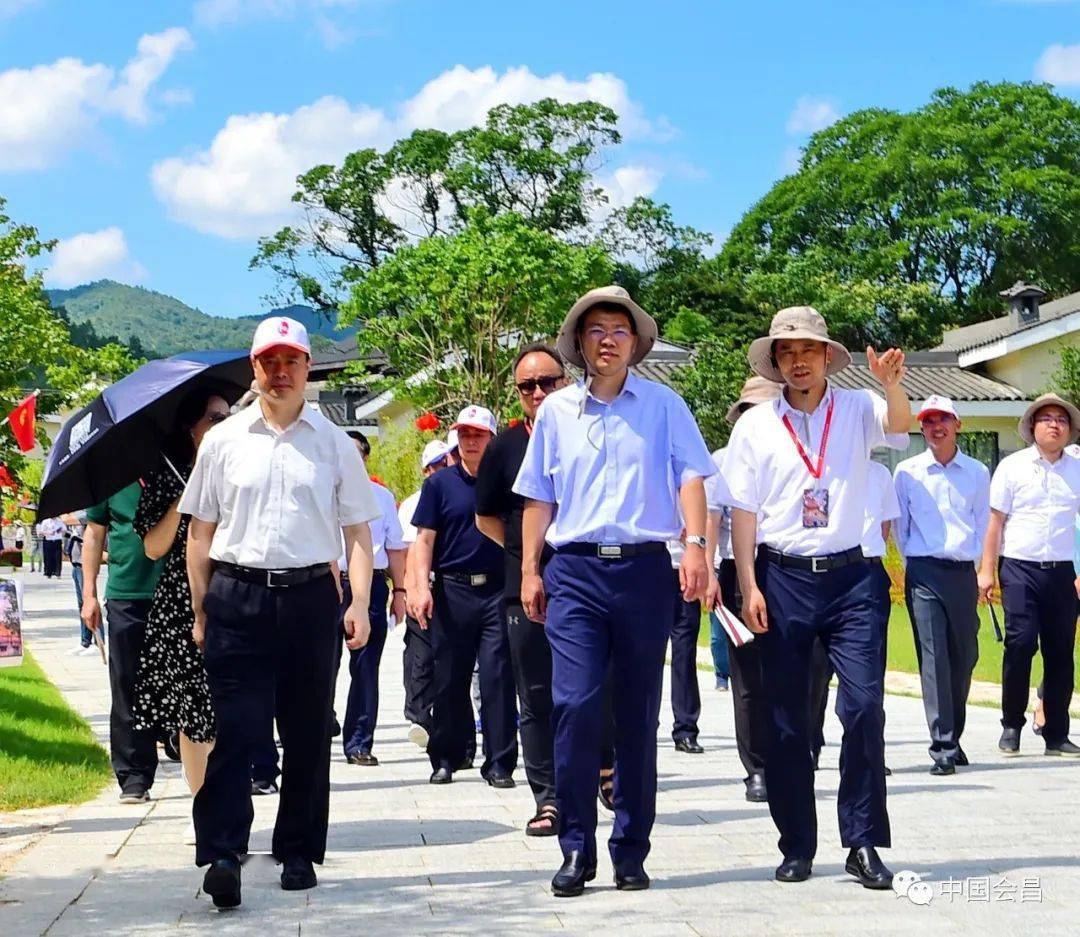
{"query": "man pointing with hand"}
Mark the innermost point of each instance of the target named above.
(797, 470)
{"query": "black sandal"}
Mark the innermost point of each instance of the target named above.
(548, 813)
(607, 790)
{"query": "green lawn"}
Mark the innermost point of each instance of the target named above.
(902, 647)
(47, 752)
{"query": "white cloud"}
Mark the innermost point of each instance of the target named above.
(92, 255)
(241, 185)
(1059, 65)
(628, 183)
(219, 12)
(810, 115)
(49, 109)
(8, 8)
(175, 97)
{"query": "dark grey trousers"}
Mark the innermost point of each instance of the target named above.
(942, 600)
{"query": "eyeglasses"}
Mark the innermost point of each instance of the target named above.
(1056, 420)
(546, 384)
(598, 334)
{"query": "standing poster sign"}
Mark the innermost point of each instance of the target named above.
(11, 645)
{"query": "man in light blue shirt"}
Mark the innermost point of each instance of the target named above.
(944, 499)
(617, 457)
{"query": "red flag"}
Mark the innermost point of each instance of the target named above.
(6, 481)
(22, 422)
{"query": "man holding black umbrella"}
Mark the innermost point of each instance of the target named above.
(273, 490)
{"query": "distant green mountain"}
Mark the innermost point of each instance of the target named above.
(163, 325)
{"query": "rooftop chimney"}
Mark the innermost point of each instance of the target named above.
(1024, 299)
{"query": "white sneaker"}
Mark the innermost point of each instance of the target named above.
(77, 651)
(418, 735)
(189, 834)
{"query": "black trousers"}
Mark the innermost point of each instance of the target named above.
(133, 751)
(52, 556)
(685, 693)
(530, 655)
(362, 709)
(418, 673)
(268, 649)
(747, 694)
(1040, 611)
(468, 626)
(842, 607)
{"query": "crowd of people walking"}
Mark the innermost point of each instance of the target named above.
(558, 559)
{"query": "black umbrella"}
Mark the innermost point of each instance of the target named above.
(118, 438)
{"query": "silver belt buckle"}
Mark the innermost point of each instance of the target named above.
(815, 568)
(609, 551)
(270, 573)
(478, 579)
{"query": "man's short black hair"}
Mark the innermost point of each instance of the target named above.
(365, 446)
(543, 349)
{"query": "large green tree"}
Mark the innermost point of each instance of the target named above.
(921, 218)
(450, 311)
(536, 161)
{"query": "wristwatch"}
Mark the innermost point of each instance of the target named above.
(696, 541)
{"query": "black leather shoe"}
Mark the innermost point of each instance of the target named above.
(961, 759)
(501, 781)
(570, 880)
(865, 864)
(466, 765)
(366, 759)
(298, 875)
(688, 746)
(756, 792)
(1009, 743)
(441, 776)
(1065, 749)
(636, 880)
(888, 771)
(793, 870)
(942, 768)
(222, 883)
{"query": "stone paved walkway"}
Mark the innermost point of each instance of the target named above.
(408, 858)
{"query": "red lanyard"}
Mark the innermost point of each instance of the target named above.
(815, 471)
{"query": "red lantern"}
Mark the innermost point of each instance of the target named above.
(427, 422)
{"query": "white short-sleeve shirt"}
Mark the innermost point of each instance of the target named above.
(385, 530)
(1042, 499)
(881, 506)
(279, 500)
(767, 477)
(405, 516)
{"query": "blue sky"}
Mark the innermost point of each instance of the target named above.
(157, 140)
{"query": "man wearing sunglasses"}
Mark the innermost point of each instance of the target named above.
(538, 370)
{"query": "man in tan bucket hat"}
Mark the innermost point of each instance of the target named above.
(1034, 499)
(798, 473)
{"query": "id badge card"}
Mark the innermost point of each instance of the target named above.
(815, 507)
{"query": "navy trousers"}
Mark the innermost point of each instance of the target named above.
(602, 612)
(843, 608)
(469, 626)
(1040, 611)
(266, 649)
(362, 709)
(685, 693)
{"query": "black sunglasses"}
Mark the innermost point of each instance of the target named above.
(546, 384)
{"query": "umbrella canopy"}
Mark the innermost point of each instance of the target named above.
(118, 437)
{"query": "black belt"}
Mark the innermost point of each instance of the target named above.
(273, 578)
(816, 564)
(941, 561)
(470, 579)
(1040, 564)
(612, 551)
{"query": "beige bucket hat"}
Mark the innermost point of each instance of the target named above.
(1026, 427)
(756, 390)
(794, 322)
(644, 325)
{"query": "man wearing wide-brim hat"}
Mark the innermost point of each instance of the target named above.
(744, 662)
(798, 473)
(614, 468)
(1034, 499)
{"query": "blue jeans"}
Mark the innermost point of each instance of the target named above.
(86, 638)
(718, 646)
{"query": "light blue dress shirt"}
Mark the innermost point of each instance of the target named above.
(614, 473)
(944, 509)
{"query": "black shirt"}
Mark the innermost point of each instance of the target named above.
(447, 505)
(495, 497)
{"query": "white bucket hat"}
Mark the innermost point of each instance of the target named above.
(756, 390)
(644, 325)
(793, 323)
(1026, 427)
